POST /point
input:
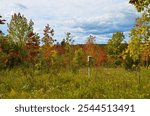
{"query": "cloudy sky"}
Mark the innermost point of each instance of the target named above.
(80, 17)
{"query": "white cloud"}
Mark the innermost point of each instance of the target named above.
(81, 17)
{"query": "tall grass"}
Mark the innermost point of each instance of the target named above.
(103, 83)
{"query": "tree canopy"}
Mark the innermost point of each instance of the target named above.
(19, 29)
(141, 4)
(116, 44)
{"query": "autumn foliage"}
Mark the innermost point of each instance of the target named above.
(23, 46)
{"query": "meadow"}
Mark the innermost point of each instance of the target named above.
(104, 83)
(33, 66)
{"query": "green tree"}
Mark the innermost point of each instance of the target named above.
(140, 38)
(19, 29)
(20, 35)
(139, 42)
(140, 34)
(67, 43)
(77, 59)
(141, 4)
(116, 45)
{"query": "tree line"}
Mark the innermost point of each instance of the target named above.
(23, 46)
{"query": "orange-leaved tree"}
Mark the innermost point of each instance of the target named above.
(32, 47)
(47, 49)
(90, 49)
(4, 47)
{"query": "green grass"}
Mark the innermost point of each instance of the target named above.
(104, 83)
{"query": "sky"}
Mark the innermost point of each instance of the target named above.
(82, 18)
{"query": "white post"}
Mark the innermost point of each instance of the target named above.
(89, 63)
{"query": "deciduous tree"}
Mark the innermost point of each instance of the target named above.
(20, 35)
(116, 45)
(140, 38)
(141, 4)
(19, 29)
